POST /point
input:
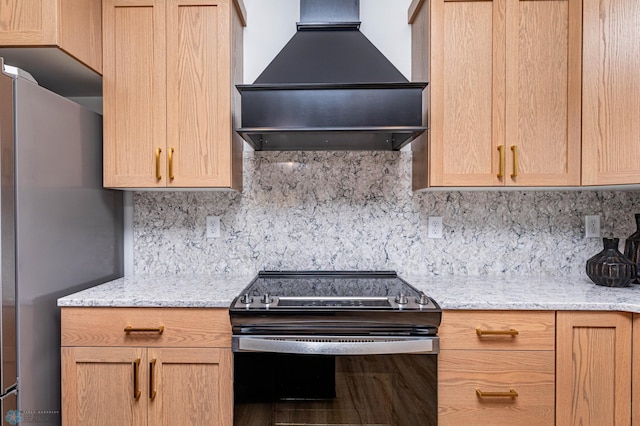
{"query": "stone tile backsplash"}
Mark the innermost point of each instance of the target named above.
(356, 211)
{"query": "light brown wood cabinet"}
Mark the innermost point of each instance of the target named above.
(504, 94)
(496, 368)
(593, 368)
(611, 83)
(59, 42)
(180, 375)
(170, 102)
(73, 26)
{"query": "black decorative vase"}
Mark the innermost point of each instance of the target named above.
(610, 267)
(632, 248)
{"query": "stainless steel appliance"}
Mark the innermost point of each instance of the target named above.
(334, 348)
(60, 233)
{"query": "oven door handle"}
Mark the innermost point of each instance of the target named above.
(332, 345)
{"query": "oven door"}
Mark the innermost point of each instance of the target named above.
(329, 380)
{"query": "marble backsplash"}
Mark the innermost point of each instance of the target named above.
(356, 211)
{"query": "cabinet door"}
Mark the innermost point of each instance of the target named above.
(543, 92)
(593, 368)
(192, 386)
(611, 105)
(28, 22)
(199, 89)
(467, 92)
(134, 90)
(101, 384)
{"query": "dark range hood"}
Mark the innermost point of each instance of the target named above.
(330, 89)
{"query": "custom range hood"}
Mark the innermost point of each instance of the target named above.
(330, 89)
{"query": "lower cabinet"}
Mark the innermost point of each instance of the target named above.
(593, 368)
(496, 368)
(146, 366)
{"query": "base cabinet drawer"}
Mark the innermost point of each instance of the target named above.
(496, 387)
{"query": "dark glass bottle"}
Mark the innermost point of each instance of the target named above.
(632, 248)
(610, 267)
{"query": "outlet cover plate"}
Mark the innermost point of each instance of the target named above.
(435, 227)
(592, 226)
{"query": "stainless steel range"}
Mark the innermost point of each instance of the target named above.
(334, 348)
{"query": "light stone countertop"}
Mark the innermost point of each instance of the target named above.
(451, 292)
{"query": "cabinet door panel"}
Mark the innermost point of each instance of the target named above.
(543, 92)
(199, 92)
(466, 92)
(134, 94)
(194, 386)
(611, 105)
(99, 384)
(593, 368)
(28, 22)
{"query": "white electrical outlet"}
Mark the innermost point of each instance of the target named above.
(213, 226)
(592, 226)
(435, 227)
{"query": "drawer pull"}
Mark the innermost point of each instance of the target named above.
(511, 394)
(152, 385)
(510, 332)
(128, 329)
(136, 379)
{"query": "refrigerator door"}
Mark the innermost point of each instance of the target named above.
(68, 231)
(7, 238)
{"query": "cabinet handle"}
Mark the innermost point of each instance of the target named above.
(501, 169)
(171, 176)
(136, 379)
(158, 175)
(152, 386)
(511, 394)
(515, 161)
(128, 329)
(510, 332)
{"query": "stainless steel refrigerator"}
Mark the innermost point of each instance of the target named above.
(60, 232)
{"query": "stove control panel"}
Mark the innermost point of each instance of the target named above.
(400, 302)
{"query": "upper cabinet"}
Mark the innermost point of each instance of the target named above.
(58, 41)
(611, 88)
(170, 103)
(504, 92)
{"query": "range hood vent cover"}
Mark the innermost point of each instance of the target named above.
(330, 89)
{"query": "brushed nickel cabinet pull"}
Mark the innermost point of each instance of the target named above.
(510, 332)
(171, 176)
(501, 169)
(152, 386)
(128, 329)
(136, 379)
(158, 175)
(515, 161)
(511, 394)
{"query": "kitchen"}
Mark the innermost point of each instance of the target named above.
(356, 210)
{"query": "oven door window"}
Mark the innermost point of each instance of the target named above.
(281, 389)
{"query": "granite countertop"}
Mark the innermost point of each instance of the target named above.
(451, 292)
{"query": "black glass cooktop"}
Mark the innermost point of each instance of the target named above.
(330, 290)
(330, 284)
